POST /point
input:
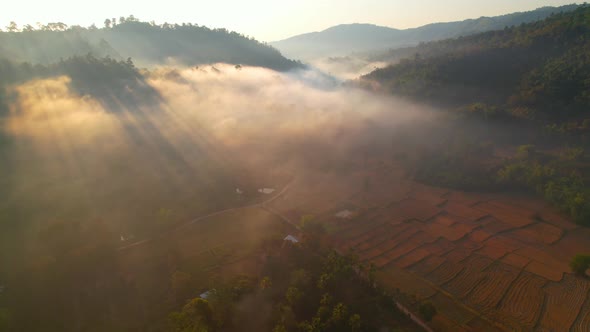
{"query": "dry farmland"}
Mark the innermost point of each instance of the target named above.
(490, 261)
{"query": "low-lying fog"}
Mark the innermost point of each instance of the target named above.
(214, 126)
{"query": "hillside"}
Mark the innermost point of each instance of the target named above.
(360, 38)
(538, 70)
(531, 82)
(147, 43)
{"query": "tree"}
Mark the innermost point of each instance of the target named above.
(339, 312)
(130, 63)
(293, 295)
(107, 23)
(197, 315)
(12, 27)
(355, 322)
(580, 263)
(265, 283)
(427, 311)
(279, 328)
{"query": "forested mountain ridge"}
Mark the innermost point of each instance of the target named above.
(538, 70)
(147, 43)
(527, 88)
(116, 84)
(359, 38)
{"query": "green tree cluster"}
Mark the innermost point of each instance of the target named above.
(580, 264)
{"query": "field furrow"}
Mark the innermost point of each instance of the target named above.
(523, 301)
(564, 301)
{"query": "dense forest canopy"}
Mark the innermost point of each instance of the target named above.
(532, 80)
(533, 70)
(147, 43)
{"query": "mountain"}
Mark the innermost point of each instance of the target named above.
(527, 89)
(337, 40)
(537, 71)
(147, 43)
(358, 38)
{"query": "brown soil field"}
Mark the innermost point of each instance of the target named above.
(516, 260)
(469, 244)
(440, 247)
(403, 248)
(550, 216)
(488, 294)
(469, 277)
(414, 209)
(451, 233)
(443, 323)
(445, 220)
(538, 233)
(405, 281)
(464, 211)
(572, 243)
(563, 304)
(499, 246)
(522, 304)
(480, 235)
(543, 270)
(459, 317)
(479, 325)
(358, 239)
(494, 225)
(360, 231)
(503, 256)
(544, 263)
(378, 251)
(582, 323)
(467, 199)
(387, 232)
(458, 254)
(428, 195)
(427, 265)
(389, 241)
(514, 216)
(445, 272)
(412, 258)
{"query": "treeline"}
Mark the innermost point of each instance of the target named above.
(305, 287)
(115, 83)
(559, 180)
(147, 43)
(525, 85)
(536, 71)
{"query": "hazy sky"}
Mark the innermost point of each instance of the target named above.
(266, 20)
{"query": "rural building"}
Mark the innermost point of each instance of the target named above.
(291, 238)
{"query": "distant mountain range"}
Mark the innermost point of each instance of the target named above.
(361, 38)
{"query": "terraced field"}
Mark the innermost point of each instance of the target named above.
(563, 303)
(496, 262)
